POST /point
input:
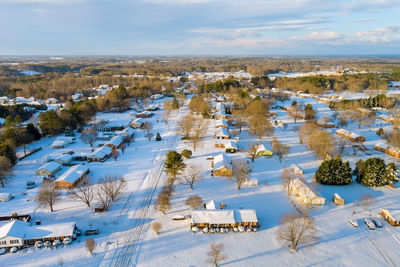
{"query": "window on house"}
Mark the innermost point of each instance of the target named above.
(3, 242)
(15, 241)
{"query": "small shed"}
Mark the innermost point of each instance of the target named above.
(210, 205)
(251, 182)
(72, 176)
(337, 199)
(49, 169)
(262, 152)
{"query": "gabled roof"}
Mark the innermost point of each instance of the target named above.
(73, 173)
(220, 162)
(51, 166)
(221, 216)
(221, 122)
(221, 132)
(64, 158)
(115, 141)
(210, 205)
(101, 152)
(245, 216)
(14, 228)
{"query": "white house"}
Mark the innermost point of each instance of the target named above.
(49, 169)
(12, 234)
(221, 133)
(64, 159)
(61, 142)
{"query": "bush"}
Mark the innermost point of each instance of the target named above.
(374, 172)
(334, 172)
(158, 137)
(380, 132)
(186, 153)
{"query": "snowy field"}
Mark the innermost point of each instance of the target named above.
(339, 243)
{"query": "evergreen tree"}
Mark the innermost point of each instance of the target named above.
(158, 137)
(334, 172)
(8, 152)
(372, 172)
(174, 164)
(33, 131)
(50, 123)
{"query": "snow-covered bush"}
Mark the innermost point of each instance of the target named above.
(374, 172)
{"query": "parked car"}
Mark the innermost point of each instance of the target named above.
(30, 184)
(370, 224)
(354, 223)
(377, 222)
(94, 231)
(13, 249)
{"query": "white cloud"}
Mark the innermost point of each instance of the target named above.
(319, 37)
(56, 2)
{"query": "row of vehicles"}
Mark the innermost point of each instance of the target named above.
(372, 223)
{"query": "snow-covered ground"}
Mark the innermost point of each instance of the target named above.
(125, 233)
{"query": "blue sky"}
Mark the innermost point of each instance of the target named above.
(199, 27)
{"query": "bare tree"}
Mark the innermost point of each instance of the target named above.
(185, 125)
(90, 245)
(84, 191)
(260, 126)
(122, 147)
(281, 150)
(147, 126)
(162, 203)
(103, 198)
(114, 154)
(48, 194)
(5, 170)
(296, 230)
(112, 186)
(167, 110)
(341, 145)
(199, 130)
(89, 136)
(296, 113)
(156, 226)
(194, 201)
(240, 171)
(240, 118)
(191, 176)
(366, 201)
(252, 152)
(216, 254)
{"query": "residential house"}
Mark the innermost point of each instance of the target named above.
(137, 123)
(144, 114)
(214, 218)
(115, 142)
(221, 167)
(221, 133)
(305, 194)
(64, 159)
(62, 141)
(49, 169)
(262, 152)
(221, 123)
(385, 148)
(230, 146)
(100, 154)
(350, 136)
(72, 176)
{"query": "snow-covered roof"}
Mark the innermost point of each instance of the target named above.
(230, 144)
(347, 133)
(219, 162)
(64, 158)
(220, 106)
(260, 148)
(137, 121)
(62, 141)
(53, 230)
(115, 141)
(51, 166)
(14, 228)
(221, 216)
(101, 152)
(73, 173)
(221, 132)
(245, 216)
(128, 131)
(210, 205)
(303, 189)
(221, 123)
